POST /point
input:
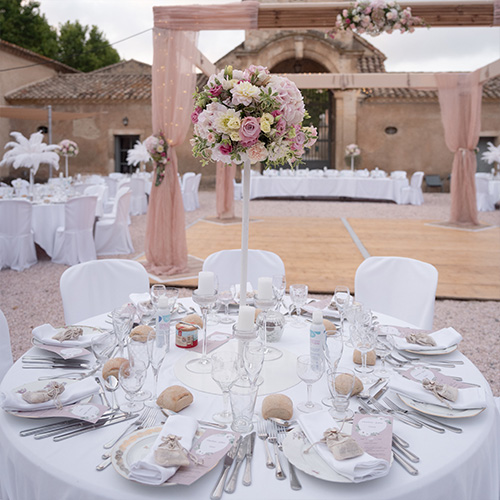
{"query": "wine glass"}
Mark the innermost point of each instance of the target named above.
(279, 287)
(158, 345)
(225, 373)
(225, 297)
(333, 347)
(132, 376)
(309, 370)
(340, 384)
(102, 346)
(342, 298)
(138, 350)
(253, 359)
(363, 338)
(298, 295)
(383, 347)
(122, 319)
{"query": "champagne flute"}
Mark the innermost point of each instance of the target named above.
(138, 351)
(253, 359)
(298, 294)
(340, 384)
(122, 319)
(363, 338)
(309, 371)
(279, 286)
(225, 373)
(132, 376)
(383, 347)
(333, 347)
(342, 299)
(225, 297)
(158, 345)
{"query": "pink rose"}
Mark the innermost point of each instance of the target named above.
(226, 149)
(247, 144)
(300, 138)
(276, 113)
(250, 129)
(216, 90)
(280, 127)
(257, 152)
(195, 114)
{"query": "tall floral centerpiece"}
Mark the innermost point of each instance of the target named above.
(68, 149)
(157, 147)
(351, 152)
(245, 117)
(138, 155)
(30, 153)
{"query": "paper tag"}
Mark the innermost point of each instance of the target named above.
(373, 434)
(89, 412)
(214, 340)
(209, 448)
(64, 352)
(418, 373)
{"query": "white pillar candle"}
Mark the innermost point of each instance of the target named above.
(265, 289)
(206, 283)
(246, 318)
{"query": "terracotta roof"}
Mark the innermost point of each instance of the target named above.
(37, 58)
(87, 87)
(371, 64)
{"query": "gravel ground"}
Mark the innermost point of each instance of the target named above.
(32, 297)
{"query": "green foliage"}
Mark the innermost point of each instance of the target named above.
(78, 46)
(317, 102)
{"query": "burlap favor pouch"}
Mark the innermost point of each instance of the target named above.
(442, 391)
(70, 333)
(170, 453)
(44, 395)
(340, 445)
(421, 339)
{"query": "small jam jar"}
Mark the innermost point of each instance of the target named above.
(186, 336)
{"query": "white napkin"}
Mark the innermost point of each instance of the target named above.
(137, 298)
(470, 397)
(44, 334)
(322, 305)
(74, 392)
(147, 471)
(446, 337)
(358, 469)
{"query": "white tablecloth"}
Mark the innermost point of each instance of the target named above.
(46, 218)
(334, 187)
(453, 466)
(494, 189)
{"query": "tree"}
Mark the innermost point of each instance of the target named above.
(22, 24)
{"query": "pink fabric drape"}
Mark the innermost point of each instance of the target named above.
(229, 16)
(460, 102)
(173, 83)
(224, 190)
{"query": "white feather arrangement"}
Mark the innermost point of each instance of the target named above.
(139, 154)
(30, 153)
(492, 155)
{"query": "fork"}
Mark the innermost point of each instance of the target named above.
(294, 480)
(138, 424)
(378, 408)
(262, 434)
(398, 411)
(272, 436)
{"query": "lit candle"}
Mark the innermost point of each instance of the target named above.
(206, 283)
(265, 289)
(246, 318)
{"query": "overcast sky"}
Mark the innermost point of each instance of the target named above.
(436, 49)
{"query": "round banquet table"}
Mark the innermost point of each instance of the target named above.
(46, 218)
(452, 466)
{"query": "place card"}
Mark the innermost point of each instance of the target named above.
(209, 448)
(64, 352)
(214, 340)
(88, 412)
(419, 373)
(373, 433)
(399, 331)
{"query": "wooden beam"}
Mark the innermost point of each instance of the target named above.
(489, 71)
(323, 15)
(203, 63)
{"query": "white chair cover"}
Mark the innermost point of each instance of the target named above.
(484, 200)
(5, 348)
(74, 242)
(112, 236)
(100, 286)
(238, 190)
(112, 184)
(99, 190)
(401, 287)
(188, 194)
(196, 189)
(138, 199)
(185, 177)
(17, 246)
(412, 195)
(226, 264)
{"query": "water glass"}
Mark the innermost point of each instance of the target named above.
(309, 370)
(298, 295)
(340, 384)
(132, 376)
(225, 372)
(157, 291)
(243, 399)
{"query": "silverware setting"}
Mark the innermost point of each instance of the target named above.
(204, 423)
(262, 434)
(294, 480)
(401, 461)
(273, 439)
(231, 483)
(247, 475)
(228, 461)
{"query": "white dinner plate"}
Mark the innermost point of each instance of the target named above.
(87, 330)
(439, 411)
(435, 352)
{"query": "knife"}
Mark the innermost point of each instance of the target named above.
(53, 359)
(228, 461)
(406, 466)
(231, 484)
(247, 476)
(379, 394)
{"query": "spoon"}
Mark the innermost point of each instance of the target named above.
(111, 384)
(283, 423)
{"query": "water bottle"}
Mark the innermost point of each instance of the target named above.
(163, 321)
(317, 339)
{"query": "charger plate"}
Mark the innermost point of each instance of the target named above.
(439, 411)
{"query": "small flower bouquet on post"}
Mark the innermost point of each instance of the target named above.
(157, 147)
(68, 149)
(351, 152)
(250, 115)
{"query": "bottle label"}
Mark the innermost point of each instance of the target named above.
(163, 326)
(317, 333)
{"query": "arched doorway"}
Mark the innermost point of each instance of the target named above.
(320, 105)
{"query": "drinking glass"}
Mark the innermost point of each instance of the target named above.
(363, 338)
(156, 291)
(102, 346)
(253, 360)
(138, 351)
(122, 319)
(309, 371)
(158, 346)
(242, 405)
(225, 373)
(132, 376)
(279, 287)
(225, 297)
(333, 348)
(173, 294)
(146, 311)
(298, 295)
(383, 347)
(342, 299)
(353, 315)
(340, 384)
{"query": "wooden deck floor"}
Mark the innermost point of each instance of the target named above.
(322, 253)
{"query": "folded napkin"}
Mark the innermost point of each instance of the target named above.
(468, 397)
(137, 298)
(44, 334)
(72, 393)
(324, 306)
(357, 469)
(147, 471)
(444, 338)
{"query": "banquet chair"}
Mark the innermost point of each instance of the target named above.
(74, 242)
(412, 195)
(226, 264)
(196, 189)
(138, 198)
(17, 245)
(99, 190)
(99, 286)
(401, 287)
(112, 235)
(484, 200)
(188, 194)
(5, 347)
(111, 214)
